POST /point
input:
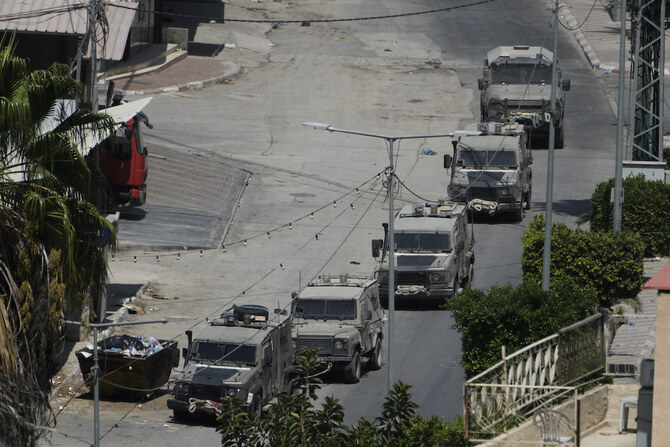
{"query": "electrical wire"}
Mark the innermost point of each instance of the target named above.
(221, 308)
(583, 23)
(301, 21)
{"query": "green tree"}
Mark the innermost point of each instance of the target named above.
(611, 264)
(514, 317)
(294, 422)
(50, 233)
(645, 211)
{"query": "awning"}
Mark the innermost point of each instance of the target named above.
(120, 114)
(70, 17)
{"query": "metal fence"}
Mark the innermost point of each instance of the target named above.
(533, 378)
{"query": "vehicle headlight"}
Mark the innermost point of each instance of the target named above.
(182, 388)
(231, 392)
(341, 344)
(436, 277)
(504, 192)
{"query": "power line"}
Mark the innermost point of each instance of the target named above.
(301, 21)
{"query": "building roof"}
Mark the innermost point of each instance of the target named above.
(70, 17)
(661, 281)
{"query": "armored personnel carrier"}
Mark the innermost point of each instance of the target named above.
(516, 88)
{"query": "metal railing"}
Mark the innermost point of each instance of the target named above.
(535, 377)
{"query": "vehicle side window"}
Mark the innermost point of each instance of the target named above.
(364, 308)
(374, 299)
(267, 355)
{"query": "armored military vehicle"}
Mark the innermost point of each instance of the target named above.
(516, 87)
(433, 253)
(491, 173)
(245, 353)
(341, 317)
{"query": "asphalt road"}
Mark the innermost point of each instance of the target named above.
(377, 76)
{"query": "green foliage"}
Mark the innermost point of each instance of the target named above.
(609, 263)
(645, 211)
(514, 317)
(294, 422)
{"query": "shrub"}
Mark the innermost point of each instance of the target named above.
(609, 263)
(514, 317)
(294, 422)
(645, 211)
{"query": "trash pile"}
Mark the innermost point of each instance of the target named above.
(128, 345)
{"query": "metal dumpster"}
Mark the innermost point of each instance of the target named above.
(126, 376)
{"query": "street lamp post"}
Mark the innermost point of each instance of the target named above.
(391, 245)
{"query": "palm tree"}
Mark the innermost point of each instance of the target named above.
(52, 236)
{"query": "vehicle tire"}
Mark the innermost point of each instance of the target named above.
(527, 198)
(375, 359)
(352, 372)
(559, 138)
(180, 415)
(470, 280)
(256, 408)
(518, 214)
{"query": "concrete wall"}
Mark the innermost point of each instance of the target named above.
(660, 433)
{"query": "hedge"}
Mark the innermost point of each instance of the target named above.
(645, 211)
(514, 317)
(609, 263)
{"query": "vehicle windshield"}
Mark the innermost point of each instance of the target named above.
(514, 73)
(326, 309)
(486, 158)
(218, 353)
(422, 242)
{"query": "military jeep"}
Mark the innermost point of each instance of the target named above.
(491, 172)
(433, 253)
(340, 316)
(245, 353)
(516, 88)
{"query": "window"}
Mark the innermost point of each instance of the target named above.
(326, 309)
(515, 73)
(422, 241)
(217, 353)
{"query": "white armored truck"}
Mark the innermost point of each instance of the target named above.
(433, 253)
(516, 88)
(245, 353)
(491, 173)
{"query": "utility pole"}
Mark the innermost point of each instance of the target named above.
(618, 163)
(93, 47)
(391, 173)
(548, 214)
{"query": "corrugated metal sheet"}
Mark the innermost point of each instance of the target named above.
(69, 17)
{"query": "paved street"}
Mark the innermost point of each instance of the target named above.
(250, 168)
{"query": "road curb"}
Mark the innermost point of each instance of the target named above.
(583, 42)
(227, 74)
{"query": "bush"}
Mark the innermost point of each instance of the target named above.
(645, 211)
(609, 263)
(294, 422)
(514, 317)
